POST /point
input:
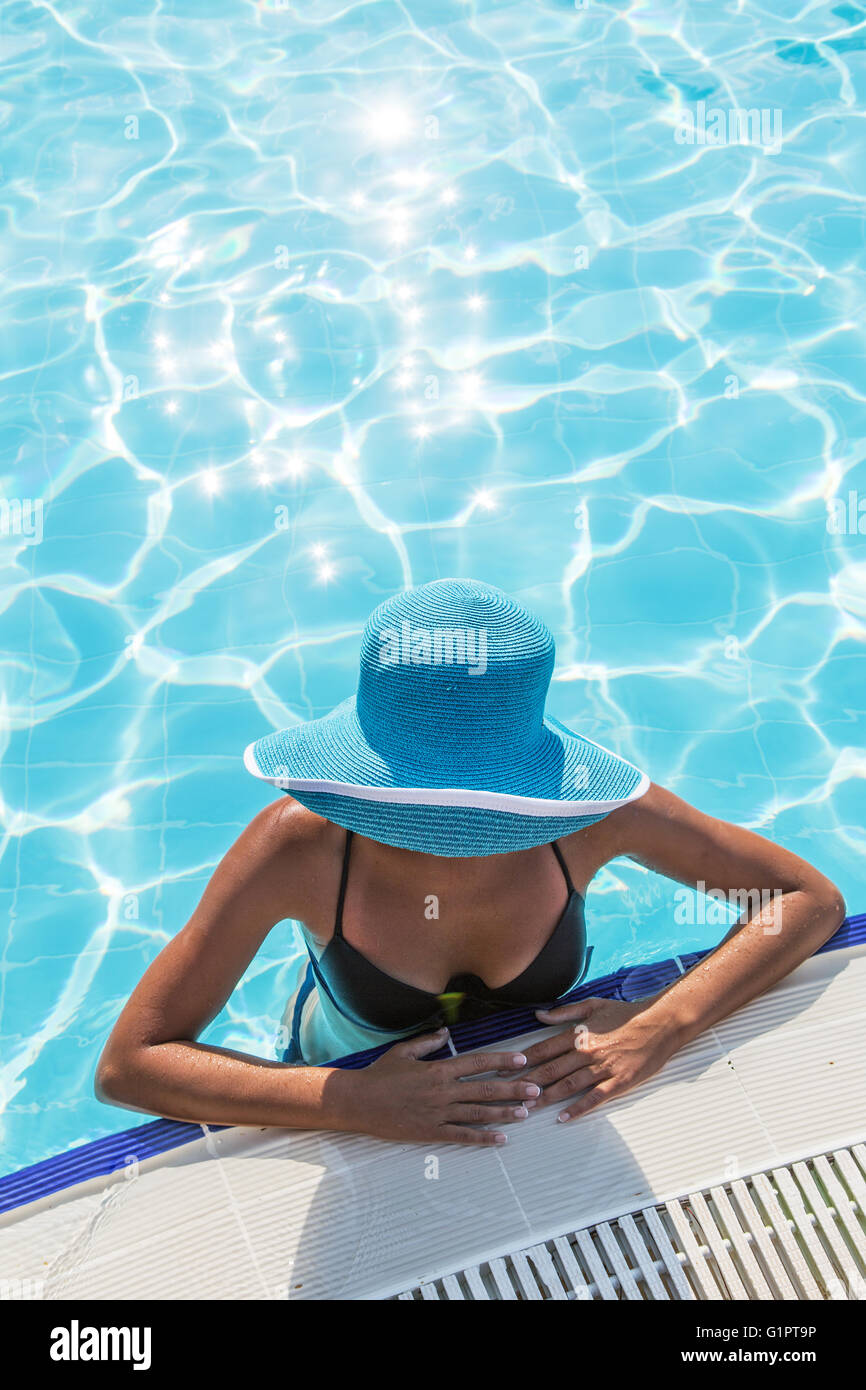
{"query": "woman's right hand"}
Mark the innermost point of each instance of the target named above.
(402, 1097)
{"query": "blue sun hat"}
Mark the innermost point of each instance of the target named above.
(446, 747)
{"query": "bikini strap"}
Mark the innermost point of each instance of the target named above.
(562, 864)
(338, 922)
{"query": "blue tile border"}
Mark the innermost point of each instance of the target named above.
(115, 1152)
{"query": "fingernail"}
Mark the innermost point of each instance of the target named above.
(530, 1104)
(561, 1119)
(521, 1112)
(500, 1138)
(531, 1089)
(518, 1060)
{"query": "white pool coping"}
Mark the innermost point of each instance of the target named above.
(269, 1214)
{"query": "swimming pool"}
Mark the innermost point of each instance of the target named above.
(304, 304)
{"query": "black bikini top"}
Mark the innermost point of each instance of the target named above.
(370, 998)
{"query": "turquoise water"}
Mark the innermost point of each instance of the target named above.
(305, 303)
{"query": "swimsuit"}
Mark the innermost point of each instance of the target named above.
(369, 1003)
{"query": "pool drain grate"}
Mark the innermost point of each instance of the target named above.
(797, 1232)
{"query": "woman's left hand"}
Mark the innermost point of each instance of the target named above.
(608, 1048)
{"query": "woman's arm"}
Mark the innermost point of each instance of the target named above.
(152, 1061)
(790, 910)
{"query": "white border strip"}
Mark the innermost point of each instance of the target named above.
(448, 796)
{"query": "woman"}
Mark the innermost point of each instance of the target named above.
(472, 825)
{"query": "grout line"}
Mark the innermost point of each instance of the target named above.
(236, 1210)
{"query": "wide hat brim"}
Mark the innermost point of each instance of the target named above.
(564, 783)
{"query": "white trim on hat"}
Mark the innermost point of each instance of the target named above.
(450, 796)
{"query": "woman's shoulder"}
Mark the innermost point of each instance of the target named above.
(295, 835)
(296, 826)
(589, 849)
(291, 854)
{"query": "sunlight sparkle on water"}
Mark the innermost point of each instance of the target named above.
(470, 386)
(399, 230)
(389, 123)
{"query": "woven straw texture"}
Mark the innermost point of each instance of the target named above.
(451, 694)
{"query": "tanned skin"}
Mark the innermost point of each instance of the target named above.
(495, 915)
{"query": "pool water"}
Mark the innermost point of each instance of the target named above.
(305, 303)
